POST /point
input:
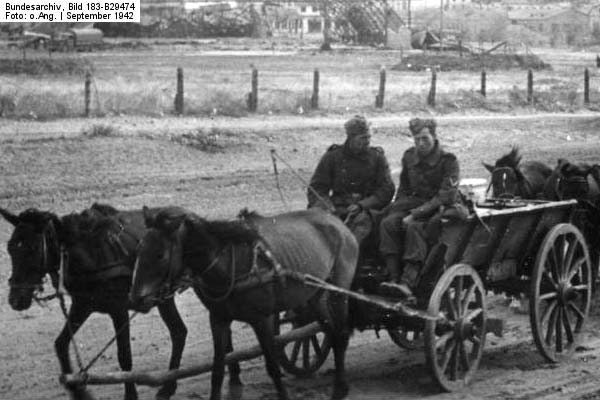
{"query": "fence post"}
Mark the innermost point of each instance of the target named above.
(530, 86)
(381, 94)
(87, 91)
(179, 94)
(253, 95)
(586, 87)
(314, 100)
(483, 79)
(431, 96)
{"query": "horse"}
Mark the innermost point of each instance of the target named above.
(573, 181)
(580, 181)
(512, 178)
(244, 270)
(99, 247)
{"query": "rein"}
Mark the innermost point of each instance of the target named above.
(203, 289)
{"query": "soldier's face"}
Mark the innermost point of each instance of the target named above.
(360, 143)
(424, 142)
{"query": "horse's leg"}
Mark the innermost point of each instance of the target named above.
(178, 331)
(120, 319)
(221, 333)
(77, 315)
(234, 368)
(264, 329)
(333, 315)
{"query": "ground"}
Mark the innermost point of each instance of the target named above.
(216, 167)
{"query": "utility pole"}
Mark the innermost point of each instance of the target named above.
(441, 24)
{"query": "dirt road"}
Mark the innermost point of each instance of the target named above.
(216, 168)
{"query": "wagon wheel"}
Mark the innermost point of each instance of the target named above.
(454, 342)
(302, 357)
(407, 338)
(560, 294)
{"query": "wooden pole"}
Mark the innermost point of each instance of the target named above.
(530, 86)
(253, 95)
(431, 96)
(314, 100)
(586, 86)
(159, 378)
(179, 94)
(381, 94)
(483, 83)
(87, 91)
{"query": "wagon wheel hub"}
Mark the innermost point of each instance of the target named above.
(464, 328)
(566, 293)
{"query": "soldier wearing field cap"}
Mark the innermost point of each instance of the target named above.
(428, 190)
(353, 177)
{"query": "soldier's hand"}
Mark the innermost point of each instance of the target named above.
(354, 209)
(408, 219)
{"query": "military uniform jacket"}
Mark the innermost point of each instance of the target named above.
(344, 178)
(427, 184)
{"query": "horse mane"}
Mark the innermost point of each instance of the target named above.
(246, 215)
(104, 209)
(234, 232)
(37, 218)
(510, 159)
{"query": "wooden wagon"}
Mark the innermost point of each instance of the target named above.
(518, 248)
(525, 249)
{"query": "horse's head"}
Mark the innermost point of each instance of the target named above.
(159, 263)
(572, 181)
(507, 180)
(34, 251)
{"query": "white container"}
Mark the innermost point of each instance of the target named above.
(474, 188)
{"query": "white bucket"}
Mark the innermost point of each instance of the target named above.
(473, 188)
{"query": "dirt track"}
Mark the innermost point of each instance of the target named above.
(55, 166)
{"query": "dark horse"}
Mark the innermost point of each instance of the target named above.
(237, 279)
(580, 181)
(573, 181)
(512, 178)
(100, 246)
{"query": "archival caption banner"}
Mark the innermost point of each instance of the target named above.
(70, 11)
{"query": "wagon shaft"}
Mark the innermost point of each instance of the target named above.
(159, 378)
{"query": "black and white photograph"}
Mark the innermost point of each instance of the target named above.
(299, 200)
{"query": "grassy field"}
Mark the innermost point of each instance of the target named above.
(143, 82)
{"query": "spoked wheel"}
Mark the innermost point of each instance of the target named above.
(407, 338)
(454, 342)
(561, 289)
(305, 356)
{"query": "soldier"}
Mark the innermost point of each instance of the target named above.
(428, 188)
(354, 177)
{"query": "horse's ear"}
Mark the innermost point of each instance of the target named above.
(150, 220)
(10, 217)
(488, 167)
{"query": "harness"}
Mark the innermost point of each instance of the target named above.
(48, 235)
(255, 277)
(523, 186)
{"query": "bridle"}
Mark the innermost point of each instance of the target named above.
(47, 236)
(524, 187)
(576, 179)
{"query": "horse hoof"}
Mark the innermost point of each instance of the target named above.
(340, 392)
(164, 394)
(81, 393)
